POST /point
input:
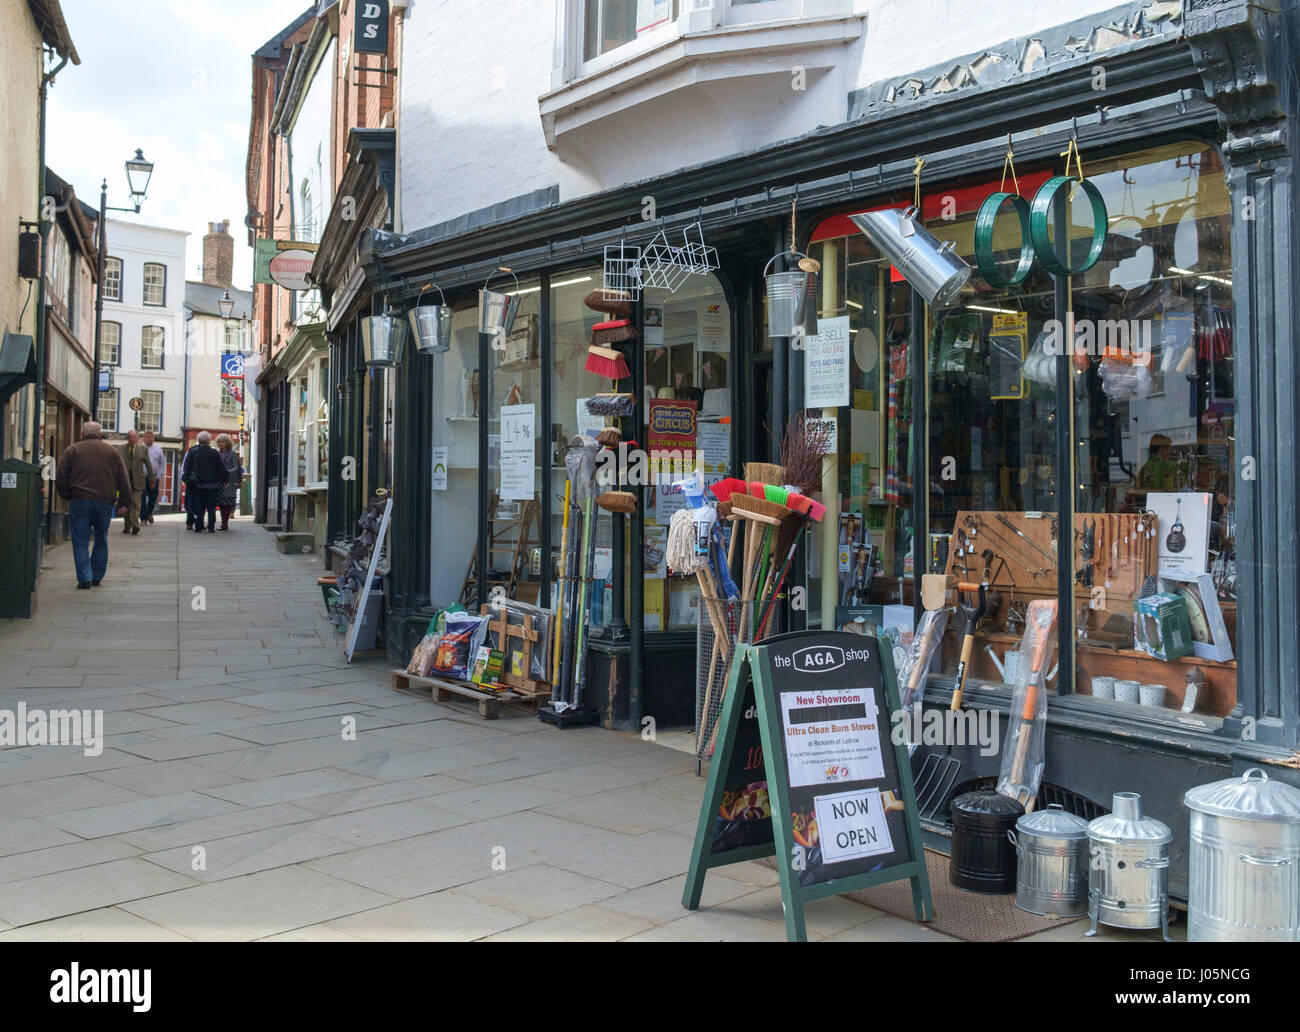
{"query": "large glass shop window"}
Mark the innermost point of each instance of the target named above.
(873, 560)
(1154, 429)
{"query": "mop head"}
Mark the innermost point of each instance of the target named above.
(615, 331)
(611, 404)
(680, 554)
(606, 362)
(619, 307)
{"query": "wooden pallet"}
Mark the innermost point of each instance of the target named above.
(440, 689)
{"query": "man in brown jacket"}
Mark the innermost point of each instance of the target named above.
(91, 477)
(135, 457)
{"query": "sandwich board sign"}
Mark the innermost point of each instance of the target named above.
(805, 769)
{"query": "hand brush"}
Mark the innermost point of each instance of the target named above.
(606, 362)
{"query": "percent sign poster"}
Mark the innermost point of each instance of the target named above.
(518, 453)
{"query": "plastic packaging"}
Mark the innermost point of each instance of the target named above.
(1121, 379)
(422, 658)
(459, 644)
(539, 667)
(921, 655)
(1023, 753)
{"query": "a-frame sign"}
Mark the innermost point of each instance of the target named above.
(805, 768)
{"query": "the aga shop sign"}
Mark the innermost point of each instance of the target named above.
(370, 29)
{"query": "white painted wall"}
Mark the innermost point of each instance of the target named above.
(136, 244)
(206, 345)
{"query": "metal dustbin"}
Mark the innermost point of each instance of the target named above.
(1051, 862)
(20, 515)
(983, 858)
(1244, 866)
(1128, 884)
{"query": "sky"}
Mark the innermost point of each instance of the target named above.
(173, 78)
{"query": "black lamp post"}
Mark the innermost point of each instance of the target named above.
(139, 170)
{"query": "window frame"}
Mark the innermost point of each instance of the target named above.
(144, 285)
(117, 345)
(162, 346)
(226, 396)
(140, 415)
(109, 261)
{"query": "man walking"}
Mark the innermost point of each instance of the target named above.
(90, 476)
(135, 458)
(157, 467)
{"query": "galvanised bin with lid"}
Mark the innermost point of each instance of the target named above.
(1244, 866)
(1052, 862)
(1128, 880)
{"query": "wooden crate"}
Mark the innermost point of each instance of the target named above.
(441, 689)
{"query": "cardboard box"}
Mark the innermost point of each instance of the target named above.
(1161, 627)
(1219, 648)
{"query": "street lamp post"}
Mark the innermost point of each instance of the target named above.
(139, 171)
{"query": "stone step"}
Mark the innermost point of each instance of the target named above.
(295, 544)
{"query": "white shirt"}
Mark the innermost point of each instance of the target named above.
(157, 460)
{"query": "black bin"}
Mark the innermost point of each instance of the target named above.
(983, 858)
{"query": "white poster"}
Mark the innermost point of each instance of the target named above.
(831, 736)
(653, 325)
(518, 453)
(713, 327)
(714, 444)
(826, 365)
(587, 423)
(1183, 533)
(602, 564)
(852, 825)
(440, 469)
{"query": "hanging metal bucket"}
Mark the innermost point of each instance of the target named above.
(932, 268)
(497, 311)
(431, 324)
(786, 294)
(383, 339)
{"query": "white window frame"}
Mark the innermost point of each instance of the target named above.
(229, 408)
(116, 359)
(112, 272)
(161, 336)
(145, 285)
(106, 410)
(140, 416)
(230, 339)
(304, 426)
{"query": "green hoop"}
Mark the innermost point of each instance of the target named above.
(1038, 228)
(984, 221)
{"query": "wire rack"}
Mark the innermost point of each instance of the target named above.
(622, 272)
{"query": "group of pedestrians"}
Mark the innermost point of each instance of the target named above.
(211, 477)
(97, 479)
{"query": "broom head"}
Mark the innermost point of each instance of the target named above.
(615, 303)
(617, 501)
(760, 510)
(607, 362)
(776, 494)
(615, 331)
(610, 437)
(611, 404)
(812, 509)
(724, 489)
(766, 472)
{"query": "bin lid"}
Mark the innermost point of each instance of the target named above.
(1054, 822)
(1125, 823)
(987, 803)
(1251, 797)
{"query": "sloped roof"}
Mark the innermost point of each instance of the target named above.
(203, 298)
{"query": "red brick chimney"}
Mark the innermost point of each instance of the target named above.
(218, 254)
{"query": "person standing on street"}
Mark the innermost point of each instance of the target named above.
(90, 476)
(157, 466)
(228, 495)
(207, 476)
(135, 457)
(189, 487)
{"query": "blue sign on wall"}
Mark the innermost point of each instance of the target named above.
(232, 367)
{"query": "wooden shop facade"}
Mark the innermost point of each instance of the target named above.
(967, 446)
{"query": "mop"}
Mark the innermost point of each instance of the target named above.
(588, 487)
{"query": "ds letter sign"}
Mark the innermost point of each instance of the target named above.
(370, 31)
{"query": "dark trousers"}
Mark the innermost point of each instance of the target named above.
(191, 496)
(89, 517)
(148, 502)
(205, 502)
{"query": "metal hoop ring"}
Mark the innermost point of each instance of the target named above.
(1038, 227)
(984, 221)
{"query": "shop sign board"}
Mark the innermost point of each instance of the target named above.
(440, 468)
(805, 769)
(671, 438)
(232, 366)
(826, 365)
(285, 263)
(518, 453)
(370, 27)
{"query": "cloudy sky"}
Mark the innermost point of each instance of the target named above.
(171, 77)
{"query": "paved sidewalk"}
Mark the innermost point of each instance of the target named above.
(229, 804)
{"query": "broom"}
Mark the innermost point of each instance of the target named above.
(812, 512)
(614, 303)
(611, 404)
(559, 599)
(606, 362)
(763, 514)
(618, 501)
(613, 331)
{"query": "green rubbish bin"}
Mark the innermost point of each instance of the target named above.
(20, 500)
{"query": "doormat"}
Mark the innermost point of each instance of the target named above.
(970, 916)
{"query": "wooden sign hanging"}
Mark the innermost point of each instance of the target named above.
(805, 769)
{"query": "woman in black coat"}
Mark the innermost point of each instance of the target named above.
(207, 475)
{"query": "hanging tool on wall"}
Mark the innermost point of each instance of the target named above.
(970, 616)
(1024, 537)
(1087, 552)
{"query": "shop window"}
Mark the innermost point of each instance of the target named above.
(110, 343)
(1154, 422)
(607, 24)
(310, 411)
(229, 403)
(106, 410)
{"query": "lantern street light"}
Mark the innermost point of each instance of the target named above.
(227, 305)
(139, 170)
